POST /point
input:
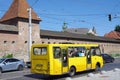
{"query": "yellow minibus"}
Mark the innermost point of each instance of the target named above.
(58, 59)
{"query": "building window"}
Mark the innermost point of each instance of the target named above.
(43, 42)
(48, 38)
(13, 42)
(25, 42)
(33, 42)
(5, 42)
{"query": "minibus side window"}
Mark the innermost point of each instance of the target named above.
(40, 51)
(56, 52)
(98, 52)
(76, 51)
(81, 51)
(95, 51)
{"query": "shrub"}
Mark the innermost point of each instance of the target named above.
(8, 56)
(115, 55)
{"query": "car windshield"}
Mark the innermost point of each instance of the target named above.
(1, 60)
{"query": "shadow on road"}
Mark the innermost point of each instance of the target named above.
(57, 77)
(46, 77)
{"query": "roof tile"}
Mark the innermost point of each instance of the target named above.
(18, 9)
(113, 34)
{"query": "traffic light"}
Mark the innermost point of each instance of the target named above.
(109, 17)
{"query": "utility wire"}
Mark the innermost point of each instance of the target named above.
(117, 5)
(69, 22)
(53, 14)
(34, 3)
(72, 14)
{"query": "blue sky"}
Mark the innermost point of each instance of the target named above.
(76, 13)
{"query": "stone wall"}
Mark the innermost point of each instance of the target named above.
(13, 43)
(23, 38)
(106, 47)
(17, 44)
(8, 43)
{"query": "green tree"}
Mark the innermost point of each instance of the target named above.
(117, 28)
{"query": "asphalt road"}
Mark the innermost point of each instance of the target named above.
(26, 75)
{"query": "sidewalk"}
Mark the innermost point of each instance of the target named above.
(103, 75)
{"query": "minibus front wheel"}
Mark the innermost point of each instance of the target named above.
(72, 71)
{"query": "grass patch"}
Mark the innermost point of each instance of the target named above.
(8, 56)
(115, 55)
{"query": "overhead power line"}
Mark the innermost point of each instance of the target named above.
(54, 14)
(73, 14)
(34, 3)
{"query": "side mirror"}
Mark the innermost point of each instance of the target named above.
(4, 63)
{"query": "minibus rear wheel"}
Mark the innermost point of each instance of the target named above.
(97, 69)
(72, 71)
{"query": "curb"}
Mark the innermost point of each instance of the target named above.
(102, 75)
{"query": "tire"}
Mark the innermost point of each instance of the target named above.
(0, 70)
(112, 61)
(20, 68)
(97, 69)
(28, 66)
(72, 71)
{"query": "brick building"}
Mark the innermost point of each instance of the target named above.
(14, 33)
(113, 34)
(14, 29)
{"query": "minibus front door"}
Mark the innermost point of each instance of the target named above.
(64, 60)
(88, 55)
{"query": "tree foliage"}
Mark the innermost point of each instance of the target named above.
(117, 28)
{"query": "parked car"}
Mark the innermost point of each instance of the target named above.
(28, 64)
(107, 58)
(8, 64)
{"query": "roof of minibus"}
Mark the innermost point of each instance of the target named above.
(36, 45)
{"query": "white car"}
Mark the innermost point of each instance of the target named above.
(8, 64)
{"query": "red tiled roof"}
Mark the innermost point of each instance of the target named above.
(18, 9)
(113, 34)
